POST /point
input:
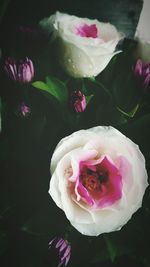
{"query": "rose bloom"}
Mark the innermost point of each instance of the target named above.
(98, 179)
(84, 46)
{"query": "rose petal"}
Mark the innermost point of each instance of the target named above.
(128, 179)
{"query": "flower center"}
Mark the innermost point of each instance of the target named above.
(92, 180)
(98, 184)
(86, 30)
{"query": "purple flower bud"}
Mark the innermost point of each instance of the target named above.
(142, 72)
(138, 68)
(63, 250)
(78, 101)
(24, 109)
(22, 71)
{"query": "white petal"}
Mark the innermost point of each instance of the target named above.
(67, 144)
(96, 142)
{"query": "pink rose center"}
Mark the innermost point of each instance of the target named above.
(98, 185)
(86, 30)
(92, 180)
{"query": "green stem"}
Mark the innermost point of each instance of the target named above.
(111, 248)
(26, 94)
(103, 87)
(68, 230)
(32, 233)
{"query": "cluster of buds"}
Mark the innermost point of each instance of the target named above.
(142, 72)
(22, 71)
(63, 249)
(78, 101)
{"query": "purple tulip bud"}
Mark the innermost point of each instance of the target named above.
(22, 71)
(24, 109)
(78, 101)
(63, 250)
(142, 72)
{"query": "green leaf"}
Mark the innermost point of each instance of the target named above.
(92, 79)
(116, 249)
(57, 88)
(104, 255)
(111, 248)
(131, 113)
(54, 87)
(88, 98)
(41, 85)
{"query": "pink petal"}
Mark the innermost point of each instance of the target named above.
(112, 190)
(83, 192)
(106, 192)
(59, 243)
(86, 30)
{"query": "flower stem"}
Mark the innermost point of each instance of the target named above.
(68, 231)
(104, 88)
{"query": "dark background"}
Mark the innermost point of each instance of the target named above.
(28, 218)
(123, 14)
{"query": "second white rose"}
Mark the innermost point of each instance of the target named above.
(84, 46)
(98, 179)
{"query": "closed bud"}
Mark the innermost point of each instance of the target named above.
(24, 110)
(62, 249)
(78, 101)
(142, 72)
(22, 71)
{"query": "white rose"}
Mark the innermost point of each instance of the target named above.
(98, 179)
(84, 46)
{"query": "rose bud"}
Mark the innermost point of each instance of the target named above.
(22, 71)
(142, 71)
(84, 46)
(24, 109)
(78, 101)
(62, 249)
